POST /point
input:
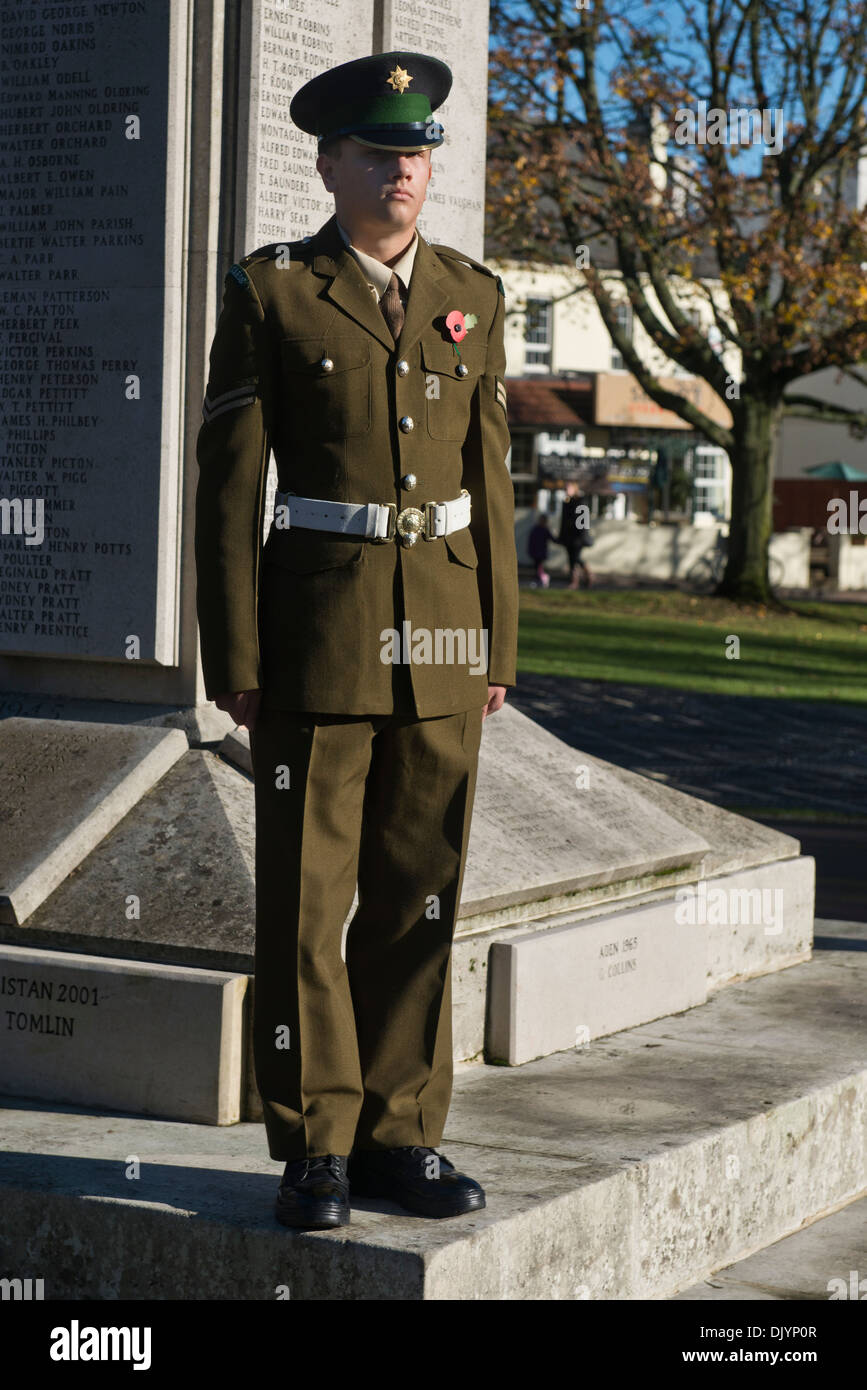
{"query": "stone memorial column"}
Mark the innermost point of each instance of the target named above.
(145, 146)
(92, 271)
(457, 32)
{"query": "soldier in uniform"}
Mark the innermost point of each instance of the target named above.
(364, 644)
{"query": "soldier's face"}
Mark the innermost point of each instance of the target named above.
(381, 188)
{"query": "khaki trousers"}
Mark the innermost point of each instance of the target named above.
(357, 1054)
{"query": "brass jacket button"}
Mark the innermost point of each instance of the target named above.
(406, 423)
(327, 365)
(462, 369)
(409, 481)
(403, 367)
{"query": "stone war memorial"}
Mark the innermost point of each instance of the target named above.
(606, 1052)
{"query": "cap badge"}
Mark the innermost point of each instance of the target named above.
(399, 79)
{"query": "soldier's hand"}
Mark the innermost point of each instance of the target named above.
(496, 697)
(243, 706)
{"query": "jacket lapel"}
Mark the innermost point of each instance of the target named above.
(348, 288)
(428, 292)
(428, 296)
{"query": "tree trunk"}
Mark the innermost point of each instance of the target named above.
(755, 431)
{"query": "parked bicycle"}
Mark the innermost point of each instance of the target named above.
(707, 572)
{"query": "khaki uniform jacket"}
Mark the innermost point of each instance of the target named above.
(306, 617)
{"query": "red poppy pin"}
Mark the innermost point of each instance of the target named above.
(459, 325)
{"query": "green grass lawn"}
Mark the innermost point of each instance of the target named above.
(812, 651)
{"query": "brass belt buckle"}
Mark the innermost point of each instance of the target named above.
(410, 525)
(392, 519)
(429, 521)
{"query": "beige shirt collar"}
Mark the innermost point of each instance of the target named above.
(378, 275)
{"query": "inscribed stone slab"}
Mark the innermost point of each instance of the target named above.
(91, 275)
(282, 197)
(151, 1039)
(560, 988)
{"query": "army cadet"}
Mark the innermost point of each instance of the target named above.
(364, 644)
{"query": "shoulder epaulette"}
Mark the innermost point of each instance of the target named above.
(286, 252)
(461, 256)
(278, 250)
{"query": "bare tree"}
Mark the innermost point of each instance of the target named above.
(712, 149)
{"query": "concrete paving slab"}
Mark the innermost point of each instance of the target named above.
(629, 1168)
(63, 786)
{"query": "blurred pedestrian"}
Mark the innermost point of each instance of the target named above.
(575, 535)
(537, 548)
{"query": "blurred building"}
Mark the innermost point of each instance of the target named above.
(575, 412)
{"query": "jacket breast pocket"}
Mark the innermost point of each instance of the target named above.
(326, 384)
(448, 394)
(301, 550)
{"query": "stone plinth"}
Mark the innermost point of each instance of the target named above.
(63, 787)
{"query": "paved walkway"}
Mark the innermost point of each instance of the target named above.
(800, 766)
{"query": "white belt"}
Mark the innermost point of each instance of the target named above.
(376, 521)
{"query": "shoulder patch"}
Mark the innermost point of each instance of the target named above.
(240, 275)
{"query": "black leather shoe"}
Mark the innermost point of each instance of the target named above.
(419, 1179)
(314, 1193)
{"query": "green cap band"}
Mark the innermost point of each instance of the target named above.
(392, 109)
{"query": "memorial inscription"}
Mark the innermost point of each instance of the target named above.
(23, 987)
(89, 306)
(619, 956)
(284, 197)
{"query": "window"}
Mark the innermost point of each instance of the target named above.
(624, 319)
(522, 453)
(711, 474)
(537, 335)
(525, 492)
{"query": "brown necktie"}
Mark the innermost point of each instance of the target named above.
(392, 309)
